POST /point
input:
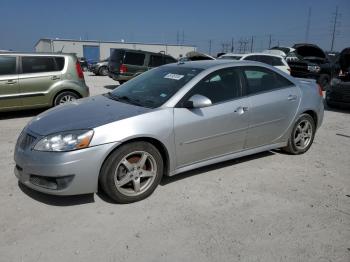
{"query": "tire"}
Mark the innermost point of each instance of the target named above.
(302, 135)
(324, 82)
(65, 97)
(103, 71)
(121, 82)
(124, 177)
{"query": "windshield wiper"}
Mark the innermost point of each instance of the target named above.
(125, 99)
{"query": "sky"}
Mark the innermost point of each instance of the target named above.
(209, 25)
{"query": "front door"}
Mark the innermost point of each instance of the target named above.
(273, 103)
(219, 129)
(9, 88)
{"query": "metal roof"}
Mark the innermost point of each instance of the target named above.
(107, 42)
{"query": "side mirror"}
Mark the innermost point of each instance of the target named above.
(197, 101)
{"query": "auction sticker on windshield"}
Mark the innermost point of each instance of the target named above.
(173, 76)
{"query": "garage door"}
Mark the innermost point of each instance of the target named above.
(91, 53)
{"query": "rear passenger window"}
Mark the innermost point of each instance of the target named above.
(59, 63)
(38, 64)
(220, 86)
(253, 58)
(134, 58)
(7, 65)
(263, 80)
(156, 60)
(276, 61)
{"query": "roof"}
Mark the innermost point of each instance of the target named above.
(205, 64)
(34, 53)
(109, 42)
(265, 54)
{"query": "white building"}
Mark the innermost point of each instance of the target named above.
(99, 50)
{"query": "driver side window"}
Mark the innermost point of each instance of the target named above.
(220, 86)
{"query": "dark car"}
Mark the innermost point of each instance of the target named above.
(339, 92)
(83, 63)
(310, 61)
(100, 68)
(124, 64)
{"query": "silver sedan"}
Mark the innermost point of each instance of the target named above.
(166, 121)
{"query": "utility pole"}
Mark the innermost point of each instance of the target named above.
(232, 47)
(245, 42)
(270, 39)
(252, 44)
(308, 25)
(335, 24)
(240, 46)
(210, 47)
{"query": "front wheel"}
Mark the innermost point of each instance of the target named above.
(132, 172)
(302, 135)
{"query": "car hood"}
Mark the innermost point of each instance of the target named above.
(84, 113)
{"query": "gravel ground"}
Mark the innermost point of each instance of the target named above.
(266, 207)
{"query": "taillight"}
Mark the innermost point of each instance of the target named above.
(79, 70)
(320, 90)
(123, 69)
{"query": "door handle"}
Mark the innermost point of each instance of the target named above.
(11, 82)
(55, 77)
(241, 110)
(292, 97)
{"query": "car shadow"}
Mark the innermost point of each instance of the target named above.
(170, 179)
(21, 114)
(53, 200)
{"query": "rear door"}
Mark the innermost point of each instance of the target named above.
(273, 103)
(9, 88)
(134, 62)
(204, 133)
(38, 75)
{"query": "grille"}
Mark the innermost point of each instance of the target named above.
(26, 141)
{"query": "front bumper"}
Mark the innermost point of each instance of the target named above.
(82, 167)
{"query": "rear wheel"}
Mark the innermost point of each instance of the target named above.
(302, 135)
(103, 71)
(65, 97)
(132, 172)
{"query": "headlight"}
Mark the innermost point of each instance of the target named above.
(314, 68)
(65, 141)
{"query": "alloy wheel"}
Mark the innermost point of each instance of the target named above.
(135, 173)
(303, 135)
(67, 98)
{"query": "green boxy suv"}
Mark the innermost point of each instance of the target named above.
(33, 80)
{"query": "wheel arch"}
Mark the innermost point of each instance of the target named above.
(313, 114)
(155, 142)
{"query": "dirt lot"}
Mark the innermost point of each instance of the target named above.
(266, 207)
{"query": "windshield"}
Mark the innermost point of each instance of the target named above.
(230, 57)
(153, 88)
